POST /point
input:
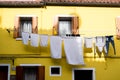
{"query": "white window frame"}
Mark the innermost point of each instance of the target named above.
(55, 67)
(93, 69)
(30, 64)
(8, 69)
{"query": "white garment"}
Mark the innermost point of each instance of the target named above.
(88, 42)
(43, 40)
(73, 50)
(25, 38)
(34, 40)
(56, 47)
(100, 42)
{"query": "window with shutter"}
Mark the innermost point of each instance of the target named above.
(30, 72)
(66, 25)
(118, 27)
(25, 24)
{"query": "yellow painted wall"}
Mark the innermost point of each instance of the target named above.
(93, 21)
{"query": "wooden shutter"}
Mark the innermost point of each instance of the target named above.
(118, 27)
(75, 25)
(55, 25)
(16, 27)
(19, 73)
(35, 24)
(41, 73)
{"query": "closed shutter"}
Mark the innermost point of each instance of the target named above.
(55, 25)
(19, 73)
(35, 24)
(41, 73)
(118, 27)
(16, 27)
(75, 25)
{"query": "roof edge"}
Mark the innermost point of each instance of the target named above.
(43, 3)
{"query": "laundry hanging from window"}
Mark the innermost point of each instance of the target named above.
(110, 39)
(25, 24)
(88, 42)
(25, 38)
(100, 42)
(56, 47)
(73, 50)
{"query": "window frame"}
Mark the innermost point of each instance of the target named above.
(74, 23)
(93, 73)
(17, 25)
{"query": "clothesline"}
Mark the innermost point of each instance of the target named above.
(72, 45)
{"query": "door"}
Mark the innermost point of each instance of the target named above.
(3, 72)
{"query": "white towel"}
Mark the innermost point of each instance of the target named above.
(73, 50)
(88, 42)
(34, 40)
(25, 38)
(56, 47)
(100, 42)
(43, 40)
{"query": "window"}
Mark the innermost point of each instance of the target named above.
(64, 25)
(25, 24)
(30, 72)
(83, 74)
(4, 72)
(55, 70)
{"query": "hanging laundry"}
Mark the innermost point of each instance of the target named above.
(109, 39)
(25, 38)
(34, 40)
(56, 46)
(73, 50)
(100, 42)
(88, 42)
(43, 40)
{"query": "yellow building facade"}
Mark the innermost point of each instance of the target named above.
(93, 21)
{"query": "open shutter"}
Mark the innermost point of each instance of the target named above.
(41, 73)
(55, 25)
(75, 25)
(19, 73)
(35, 24)
(16, 27)
(118, 27)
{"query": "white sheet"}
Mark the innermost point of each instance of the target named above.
(43, 40)
(88, 41)
(55, 47)
(73, 50)
(25, 38)
(34, 40)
